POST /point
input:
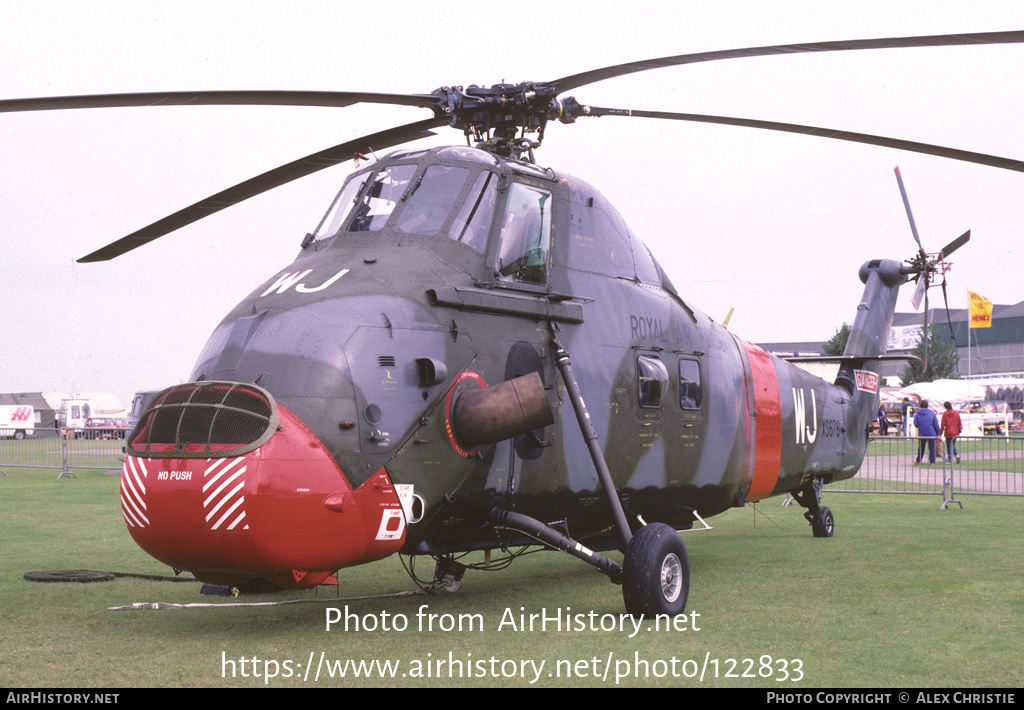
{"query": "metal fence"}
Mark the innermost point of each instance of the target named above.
(985, 465)
(64, 450)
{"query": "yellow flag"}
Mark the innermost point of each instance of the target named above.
(981, 311)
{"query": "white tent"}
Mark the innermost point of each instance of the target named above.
(962, 391)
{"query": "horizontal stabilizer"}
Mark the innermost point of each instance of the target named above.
(854, 360)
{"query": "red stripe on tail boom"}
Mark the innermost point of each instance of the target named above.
(767, 423)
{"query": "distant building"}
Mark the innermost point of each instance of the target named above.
(995, 350)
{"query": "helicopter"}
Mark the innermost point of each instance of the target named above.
(474, 353)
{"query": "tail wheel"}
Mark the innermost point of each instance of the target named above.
(655, 572)
(822, 523)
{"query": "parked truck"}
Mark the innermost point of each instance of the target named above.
(17, 421)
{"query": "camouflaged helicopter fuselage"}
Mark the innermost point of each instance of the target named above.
(371, 334)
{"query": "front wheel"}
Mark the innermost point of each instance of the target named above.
(655, 572)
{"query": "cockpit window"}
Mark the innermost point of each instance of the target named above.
(525, 235)
(473, 222)
(646, 267)
(341, 207)
(430, 200)
(379, 201)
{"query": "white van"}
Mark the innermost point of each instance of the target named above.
(17, 421)
(73, 413)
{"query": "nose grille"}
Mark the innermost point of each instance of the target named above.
(205, 420)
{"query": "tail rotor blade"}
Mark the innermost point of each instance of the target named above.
(956, 244)
(925, 334)
(949, 318)
(906, 204)
(921, 291)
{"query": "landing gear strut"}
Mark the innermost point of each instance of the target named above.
(655, 574)
(820, 517)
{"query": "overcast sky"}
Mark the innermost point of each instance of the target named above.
(770, 224)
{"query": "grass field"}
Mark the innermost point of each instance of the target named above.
(903, 595)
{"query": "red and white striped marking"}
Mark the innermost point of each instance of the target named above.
(224, 504)
(133, 492)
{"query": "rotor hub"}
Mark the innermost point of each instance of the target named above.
(500, 116)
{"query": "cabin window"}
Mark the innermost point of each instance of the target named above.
(430, 200)
(525, 235)
(689, 384)
(380, 199)
(473, 222)
(652, 378)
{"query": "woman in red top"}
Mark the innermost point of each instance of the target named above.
(951, 428)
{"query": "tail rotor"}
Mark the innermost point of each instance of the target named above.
(928, 267)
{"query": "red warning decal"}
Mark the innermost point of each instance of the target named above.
(866, 381)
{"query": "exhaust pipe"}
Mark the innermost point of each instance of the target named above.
(503, 411)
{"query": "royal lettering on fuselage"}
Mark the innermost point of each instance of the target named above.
(646, 328)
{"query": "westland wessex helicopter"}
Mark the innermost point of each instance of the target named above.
(472, 352)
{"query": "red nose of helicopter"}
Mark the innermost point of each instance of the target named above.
(222, 481)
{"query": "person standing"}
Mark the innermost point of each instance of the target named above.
(883, 422)
(927, 431)
(905, 416)
(951, 427)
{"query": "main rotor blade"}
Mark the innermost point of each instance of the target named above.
(897, 143)
(268, 180)
(906, 205)
(589, 77)
(956, 244)
(334, 99)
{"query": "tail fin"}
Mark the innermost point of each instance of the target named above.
(869, 337)
(866, 347)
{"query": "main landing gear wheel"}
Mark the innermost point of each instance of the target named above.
(822, 522)
(655, 572)
(820, 517)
